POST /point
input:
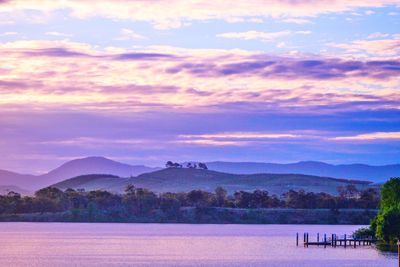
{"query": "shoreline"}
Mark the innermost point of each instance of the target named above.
(192, 215)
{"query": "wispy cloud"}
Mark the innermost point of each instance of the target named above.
(128, 34)
(254, 35)
(245, 138)
(8, 33)
(376, 35)
(60, 34)
(375, 48)
(370, 136)
(243, 135)
(297, 21)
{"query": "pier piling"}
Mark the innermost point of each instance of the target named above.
(334, 240)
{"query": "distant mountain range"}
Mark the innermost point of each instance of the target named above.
(101, 165)
(376, 174)
(73, 168)
(184, 180)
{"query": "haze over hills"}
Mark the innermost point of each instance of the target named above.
(346, 171)
(5, 189)
(91, 165)
(184, 180)
(18, 182)
(70, 169)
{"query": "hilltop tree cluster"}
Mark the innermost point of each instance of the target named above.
(188, 165)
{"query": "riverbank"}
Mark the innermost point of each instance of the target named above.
(194, 215)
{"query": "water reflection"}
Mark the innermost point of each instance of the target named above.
(66, 244)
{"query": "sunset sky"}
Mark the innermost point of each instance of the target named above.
(144, 82)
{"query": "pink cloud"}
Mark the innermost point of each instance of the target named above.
(375, 136)
(375, 48)
(76, 76)
(154, 11)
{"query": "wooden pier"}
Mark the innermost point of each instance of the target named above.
(334, 240)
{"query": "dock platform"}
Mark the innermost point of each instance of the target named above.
(334, 240)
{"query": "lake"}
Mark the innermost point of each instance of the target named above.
(108, 244)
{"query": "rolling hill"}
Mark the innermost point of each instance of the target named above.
(350, 171)
(92, 165)
(179, 180)
(93, 182)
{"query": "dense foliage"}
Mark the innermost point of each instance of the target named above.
(142, 202)
(390, 192)
(387, 223)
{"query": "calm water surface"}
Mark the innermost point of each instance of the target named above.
(83, 244)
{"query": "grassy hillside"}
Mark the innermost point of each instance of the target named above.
(174, 179)
(178, 180)
(93, 182)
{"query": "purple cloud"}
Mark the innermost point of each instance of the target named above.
(55, 52)
(323, 69)
(143, 56)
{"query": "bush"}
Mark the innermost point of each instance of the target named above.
(363, 233)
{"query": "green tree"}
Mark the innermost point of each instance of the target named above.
(388, 225)
(390, 194)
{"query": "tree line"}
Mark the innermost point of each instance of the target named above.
(142, 202)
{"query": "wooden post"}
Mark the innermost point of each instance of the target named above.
(398, 249)
(354, 242)
(332, 240)
(345, 240)
(297, 239)
(335, 240)
(318, 238)
(307, 239)
(324, 240)
(304, 239)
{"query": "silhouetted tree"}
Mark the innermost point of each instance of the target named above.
(221, 196)
(203, 166)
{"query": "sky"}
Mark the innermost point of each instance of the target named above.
(144, 82)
